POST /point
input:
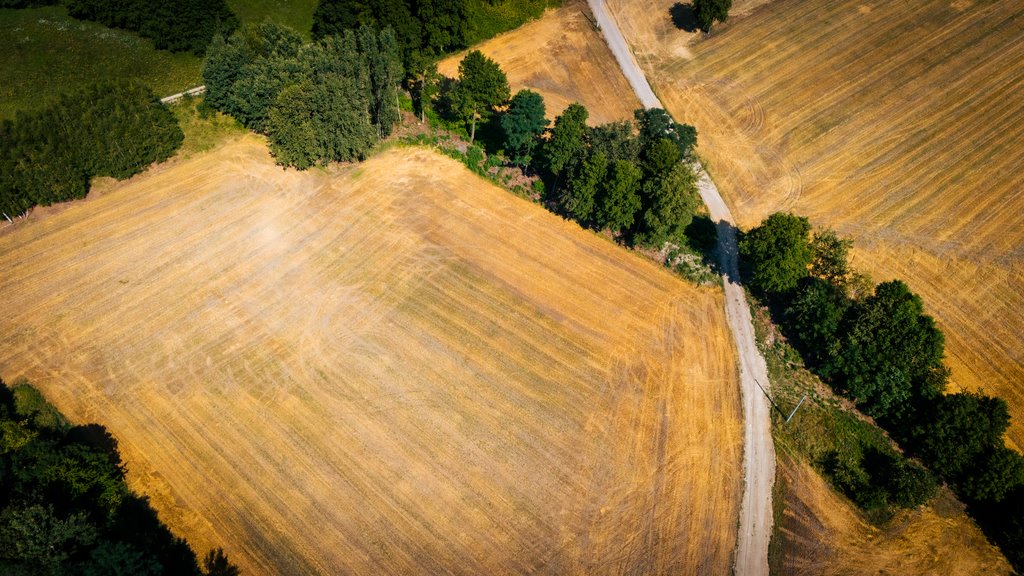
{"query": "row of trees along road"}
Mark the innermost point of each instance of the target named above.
(65, 507)
(108, 129)
(876, 345)
(634, 180)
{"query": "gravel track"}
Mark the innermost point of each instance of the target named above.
(759, 450)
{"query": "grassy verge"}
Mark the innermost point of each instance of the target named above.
(204, 130)
(848, 449)
(46, 52)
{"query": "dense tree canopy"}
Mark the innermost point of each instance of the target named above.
(64, 504)
(619, 198)
(482, 86)
(777, 253)
(671, 199)
(331, 100)
(655, 124)
(108, 129)
(523, 124)
(569, 138)
(178, 26)
(889, 351)
(880, 348)
(580, 195)
(707, 12)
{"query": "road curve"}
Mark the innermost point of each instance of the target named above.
(755, 526)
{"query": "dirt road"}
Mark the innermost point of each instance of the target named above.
(759, 451)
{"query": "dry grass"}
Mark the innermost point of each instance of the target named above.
(896, 123)
(823, 534)
(391, 368)
(562, 57)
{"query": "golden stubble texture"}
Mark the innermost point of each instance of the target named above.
(389, 368)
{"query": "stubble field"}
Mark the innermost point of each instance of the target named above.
(898, 124)
(390, 368)
(563, 58)
(822, 533)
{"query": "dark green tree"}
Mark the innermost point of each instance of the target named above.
(445, 24)
(616, 141)
(660, 157)
(482, 86)
(890, 351)
(671, 202)
(320, 122)
(777, 253)
(813, 320)
(655, 124)
(707, 12)
(181, 26)
(995, 474)
(619, 199)
(216, 564)
(958, 430)
(384, 69)
(523, 124)
(120, 559)
(579, 196)
(568, 142)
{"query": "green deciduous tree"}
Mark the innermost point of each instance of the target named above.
(482, 86)
(619, 199)
(321, 122)
(995, 474)
(813, 320)
(616, 141)
(656, 124)
(568, 142)
(707, 12)
(579, 196)
(890, 351)
(523, 124)
(660, 157)
(958, 430)
(671, 201)
(777, 253)
(384, 70)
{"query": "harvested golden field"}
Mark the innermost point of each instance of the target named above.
(897, 123)
(562, 57)
(822, 533)
(388, 368)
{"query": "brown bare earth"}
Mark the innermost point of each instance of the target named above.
(896, 123)
(562, 57)
(390, 368)
(821, 533)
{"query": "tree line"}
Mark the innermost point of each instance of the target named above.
(331, 100)
(65, 507)
(108, 129)
(178, 25)
(633, 179)
(875, 345)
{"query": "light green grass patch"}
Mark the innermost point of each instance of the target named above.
(204, 130)
(295, 14)
(46, 52)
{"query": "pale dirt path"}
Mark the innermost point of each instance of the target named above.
(759, 451)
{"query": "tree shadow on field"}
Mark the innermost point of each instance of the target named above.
(683, 17)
